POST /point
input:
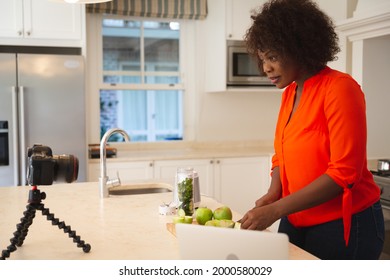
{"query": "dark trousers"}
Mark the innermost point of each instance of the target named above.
(326, 241)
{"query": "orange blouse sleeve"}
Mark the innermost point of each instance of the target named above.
(346, 117)
(345, 113)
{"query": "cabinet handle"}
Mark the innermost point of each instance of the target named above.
(28, 33)
(218, 161)
(151, 164)
(20, 32)
(211, 161)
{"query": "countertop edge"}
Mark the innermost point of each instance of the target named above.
(187, 150)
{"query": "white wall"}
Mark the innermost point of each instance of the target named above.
(369, 33)
(376, 63)
(238, 116)
(366, 7)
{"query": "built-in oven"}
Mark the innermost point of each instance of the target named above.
(383, 181)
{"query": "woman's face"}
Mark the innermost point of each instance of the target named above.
(279, 70)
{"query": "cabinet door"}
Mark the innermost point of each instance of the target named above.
(165, 170)
(11, 18)
(41, 22)
(239, 182)
(238, 19)
(213, 47)
(52, 20)
(127, 171)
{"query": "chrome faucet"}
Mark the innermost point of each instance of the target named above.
(104, 181)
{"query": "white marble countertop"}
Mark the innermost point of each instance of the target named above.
(117, 228)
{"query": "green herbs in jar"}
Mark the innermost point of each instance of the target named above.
(185, 195)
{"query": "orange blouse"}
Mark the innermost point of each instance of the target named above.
(326, 135)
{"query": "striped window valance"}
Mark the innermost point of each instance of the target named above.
(176, 9)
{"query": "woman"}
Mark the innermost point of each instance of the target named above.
(321, 188)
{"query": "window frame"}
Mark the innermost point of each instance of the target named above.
(141, 86)
(94, 75)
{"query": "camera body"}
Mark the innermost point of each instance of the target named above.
(44, 168)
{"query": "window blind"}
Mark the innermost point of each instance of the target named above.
(175, 9)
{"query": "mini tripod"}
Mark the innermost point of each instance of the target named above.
(34, 204)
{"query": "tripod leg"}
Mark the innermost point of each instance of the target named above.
(67, 229)
(21, 231)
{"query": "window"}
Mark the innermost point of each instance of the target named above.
(142, 90)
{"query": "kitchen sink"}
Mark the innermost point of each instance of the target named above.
(140, 188)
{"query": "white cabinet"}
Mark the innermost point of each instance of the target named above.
(212, 49)
(127, 171)
(11, 19)
(41, 22)
(239, 182)
(238, 18)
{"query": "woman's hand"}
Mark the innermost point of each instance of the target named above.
(259, 218)
(263, 214)
(319, 191)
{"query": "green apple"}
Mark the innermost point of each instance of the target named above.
(203, 214)
(223, 213)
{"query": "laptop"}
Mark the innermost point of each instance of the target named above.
(214, 243)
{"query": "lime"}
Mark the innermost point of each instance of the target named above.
(212, 223)
(188, 219)
(181, 213)
(226, 223)
(220, 223)
(178, 220)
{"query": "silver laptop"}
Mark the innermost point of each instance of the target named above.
(213, 243)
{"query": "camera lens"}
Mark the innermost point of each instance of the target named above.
(66, 168)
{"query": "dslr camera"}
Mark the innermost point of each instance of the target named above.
(44, 167)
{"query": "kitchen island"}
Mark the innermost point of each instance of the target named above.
(126, 227)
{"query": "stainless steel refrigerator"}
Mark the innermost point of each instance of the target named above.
(42, 101)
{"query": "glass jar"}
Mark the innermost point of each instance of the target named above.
(184, 190)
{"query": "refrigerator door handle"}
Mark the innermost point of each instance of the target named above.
(22, 137)
(15, 147)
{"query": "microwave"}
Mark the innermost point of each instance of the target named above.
(241, 68)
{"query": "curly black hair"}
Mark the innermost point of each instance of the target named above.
(296, 29)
